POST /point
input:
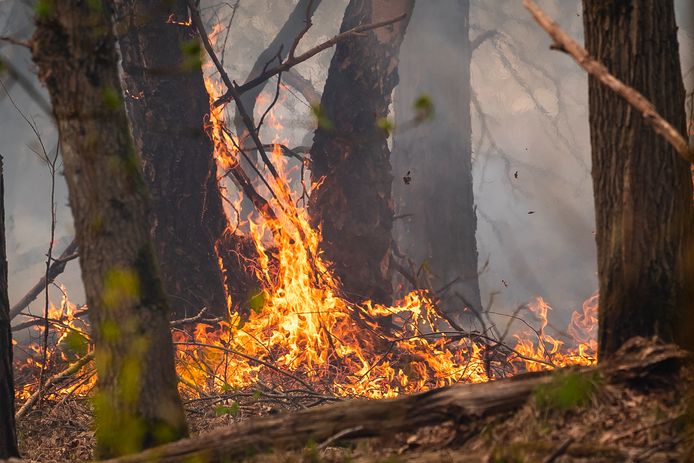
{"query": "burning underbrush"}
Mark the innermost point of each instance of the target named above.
(298, 335)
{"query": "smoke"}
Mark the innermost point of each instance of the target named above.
(531, 154)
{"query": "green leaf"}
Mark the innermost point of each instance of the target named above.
(385, 124)
(232, 409)
(76, 343)
(423, 108)
(321, 119)
(257, 301)
(43, 9)
(112, 98)
(192, 52)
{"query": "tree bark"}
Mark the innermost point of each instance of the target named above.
(438, 207)
(643, 189)
(350, 153)
(167, 105)
(137, 405)
(369, 418)
(8, 433)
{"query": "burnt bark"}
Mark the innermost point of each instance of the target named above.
(643, 189)
(167, 106)
(137, 404)
(437, 206)
(350, 154)
(8, 433)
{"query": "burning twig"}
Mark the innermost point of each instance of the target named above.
(247, 357)
(66, 373)
(564, 42)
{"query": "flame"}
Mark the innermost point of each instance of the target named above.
(301, 333)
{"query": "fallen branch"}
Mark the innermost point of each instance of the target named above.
(66, 373)
(565, 43)
(463, 403)
(55, 269)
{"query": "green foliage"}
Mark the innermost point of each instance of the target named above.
(44, 8)
(566, 391)
(112, 98)
(257, 301)
(192, 54)
(321, 119)
(95, 6)
(121, 287)
(75, 343)
(385, 124)
(423, 108)
(232, 409)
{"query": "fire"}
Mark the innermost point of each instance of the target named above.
(302, 334)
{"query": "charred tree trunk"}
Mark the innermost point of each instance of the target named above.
(167, 104)
(138, 403)
(350, 151)
(643, 189)
(437, 206)
(8, 434)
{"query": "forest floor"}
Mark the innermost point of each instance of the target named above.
(577, 423)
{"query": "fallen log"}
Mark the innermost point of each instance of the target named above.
(363, 418)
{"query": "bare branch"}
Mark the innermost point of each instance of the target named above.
(56, 268)
(293, 61)
(565, 43)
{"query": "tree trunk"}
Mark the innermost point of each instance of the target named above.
(463, 403)
(437, 206)
(350, 152)
(137, 404)
(643, 189)
(8, 434)
(167, 105)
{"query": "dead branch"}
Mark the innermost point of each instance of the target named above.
(26, 85)
(15, 41)
(293, 61)
(565, 43)
(481, 38)
(639, 358)
(55, 269)
(66, 373)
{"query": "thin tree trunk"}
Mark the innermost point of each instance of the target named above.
(350, 153)
(137, 404)
(437, 205)
(643, 189)
(167, 105)
(8, 434)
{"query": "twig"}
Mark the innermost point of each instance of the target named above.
(15, 41)
(565, 43)
(247, 357)
(56, 268)
(339, 435)
(559, 451)
(66, 373)
(51, 163)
